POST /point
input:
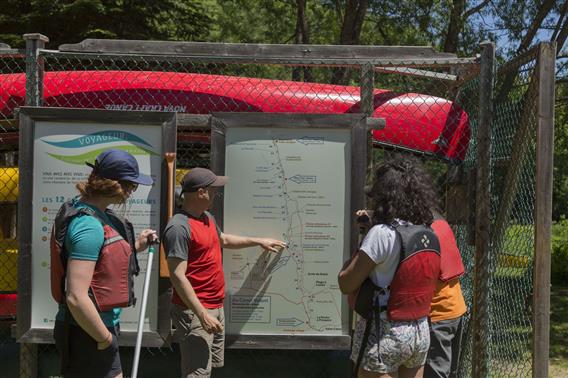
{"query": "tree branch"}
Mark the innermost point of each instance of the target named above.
(561, 38)
(476, 9)
(533, 29)
(560, 20)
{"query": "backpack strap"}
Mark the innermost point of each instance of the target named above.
(376, 317)
(402, 251)
(364, 342)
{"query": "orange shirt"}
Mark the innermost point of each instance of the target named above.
(448, 302)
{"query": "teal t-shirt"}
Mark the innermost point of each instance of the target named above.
(84, 239)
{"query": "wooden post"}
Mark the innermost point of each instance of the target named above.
(34, 68)
(480, 362)
(543, 209)
(28, 360)
(34, 95)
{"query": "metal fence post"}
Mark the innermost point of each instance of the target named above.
(368, 107)
(34, 68)
(543, 209)
(34, 95)
(480, 363)
(367, 88)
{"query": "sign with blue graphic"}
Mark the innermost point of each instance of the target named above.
(63, 142)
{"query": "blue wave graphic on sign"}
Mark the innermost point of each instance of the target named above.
(99, 137)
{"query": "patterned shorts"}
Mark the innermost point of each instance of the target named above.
(401, 344)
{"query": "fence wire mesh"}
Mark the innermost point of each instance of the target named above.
(513, 171)
(12, 69)
(433, 115)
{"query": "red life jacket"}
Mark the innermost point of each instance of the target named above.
(112, 284)
(414, 282)
(412, 287)
(451, 265)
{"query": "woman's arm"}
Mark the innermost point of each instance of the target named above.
(142, 241)
(79, 276)
(354, 272)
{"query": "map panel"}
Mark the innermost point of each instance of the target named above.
(293, 185)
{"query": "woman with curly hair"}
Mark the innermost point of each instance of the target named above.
(402, 195)
(93, 261)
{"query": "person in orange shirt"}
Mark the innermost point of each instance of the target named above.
(447, 308)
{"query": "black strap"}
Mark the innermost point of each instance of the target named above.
(363, 347)
(377, 319)
(65, 347)
(377, 331)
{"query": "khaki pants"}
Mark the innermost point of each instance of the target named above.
(200, 351)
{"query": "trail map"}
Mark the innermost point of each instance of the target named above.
(293, 185)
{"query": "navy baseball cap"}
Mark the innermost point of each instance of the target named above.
(201, 178)
(119, 165)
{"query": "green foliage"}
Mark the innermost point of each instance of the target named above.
(560, 191)
(559, 262)
(559, 329)
(71, 21)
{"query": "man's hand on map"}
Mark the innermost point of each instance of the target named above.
(209, 323)
(271, 245)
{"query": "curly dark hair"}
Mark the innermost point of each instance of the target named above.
(403, 190)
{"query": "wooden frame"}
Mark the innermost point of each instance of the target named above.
(543, 209)
(292, 54)
(28, 118)
(356, 123)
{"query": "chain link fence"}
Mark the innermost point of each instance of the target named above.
(12, 70)
(513, 173)
(431, 111)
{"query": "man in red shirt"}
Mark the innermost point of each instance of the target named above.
(193, 245)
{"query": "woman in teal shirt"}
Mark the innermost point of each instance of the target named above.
(85, 334)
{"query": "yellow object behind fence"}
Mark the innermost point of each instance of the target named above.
(8, 184)
(8, 268)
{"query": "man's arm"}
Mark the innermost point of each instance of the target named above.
(185, 291)
(237, 242)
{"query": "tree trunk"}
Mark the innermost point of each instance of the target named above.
(352, 23)
(302, 36)
(455, 26)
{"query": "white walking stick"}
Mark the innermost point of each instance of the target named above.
(151, 251)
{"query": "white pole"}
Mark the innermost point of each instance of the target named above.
(151, 251)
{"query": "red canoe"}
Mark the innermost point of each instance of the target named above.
(415, 121)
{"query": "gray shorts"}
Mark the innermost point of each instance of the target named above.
(445, 343)
(200, 351)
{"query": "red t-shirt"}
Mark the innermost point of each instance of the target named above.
(204, 262)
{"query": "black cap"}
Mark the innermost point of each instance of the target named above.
(201, 178)
(119, 165)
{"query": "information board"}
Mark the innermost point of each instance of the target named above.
(291, 179)
(61, 142)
